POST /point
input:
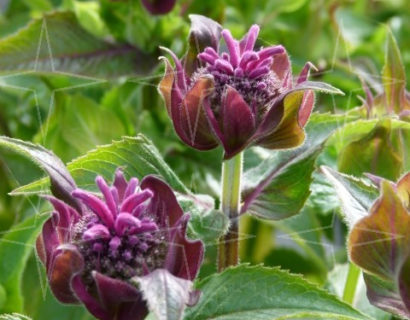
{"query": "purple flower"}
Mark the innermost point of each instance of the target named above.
(237, 97)
(158, 6)
(134, 229)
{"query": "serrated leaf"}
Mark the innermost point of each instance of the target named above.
(136, 155)
(394, 76)
(279, 186)
(58, 43)
(356, 196)
(15, 249)
(61, 181)
(167, 295)
(256, 292)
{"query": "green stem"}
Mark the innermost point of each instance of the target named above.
(351, 283)
(228, 253)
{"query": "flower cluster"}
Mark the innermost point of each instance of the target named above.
(92, 254)
(237, 98)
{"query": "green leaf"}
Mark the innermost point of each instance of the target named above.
(394, 76)
(57, 43)
(136, 155)
(3, 297)
(167, 295)
(205, 223)
(14, 316)
(278, 187)
(77, 125)
(356, 196)
(61, 181)
(380, 153)
(257, 292)
(15, 249)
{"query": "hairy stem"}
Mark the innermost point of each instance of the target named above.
(230, 205)
(351, 283)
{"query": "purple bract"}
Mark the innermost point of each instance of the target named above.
(133, 229)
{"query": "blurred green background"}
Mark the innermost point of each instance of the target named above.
(76, 74)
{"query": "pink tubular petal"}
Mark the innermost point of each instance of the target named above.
(50, 241)
(270, 51)
(184, 256)
(96, 205)
(109, 199)
(224, 66)
(248, 57)
(120, 183)
(96, 232)
(237, 120)
(164, 205)
(131, 188)
(126, 221)
(232, 47)
(248, 42)
(132, 201)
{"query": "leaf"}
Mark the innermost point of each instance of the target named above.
(14, 316)
(15, 249)
(136, 155)
(380, 153)
(380, 245)
(257, 292)
(57, 43)
(356, 196)
(205, 223)
(61, 181)
(394, 76)
(167, 295)
(279, 186)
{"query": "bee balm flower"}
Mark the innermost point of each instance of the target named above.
(133, 230)
(239, 97)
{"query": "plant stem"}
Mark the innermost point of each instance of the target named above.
(351, 283)
(230, 205)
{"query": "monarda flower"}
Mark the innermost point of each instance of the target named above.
(237, 97)
(134, 229)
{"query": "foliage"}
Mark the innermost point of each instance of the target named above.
(79, 98)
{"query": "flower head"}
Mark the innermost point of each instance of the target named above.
(237, 97)
(91, 255)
